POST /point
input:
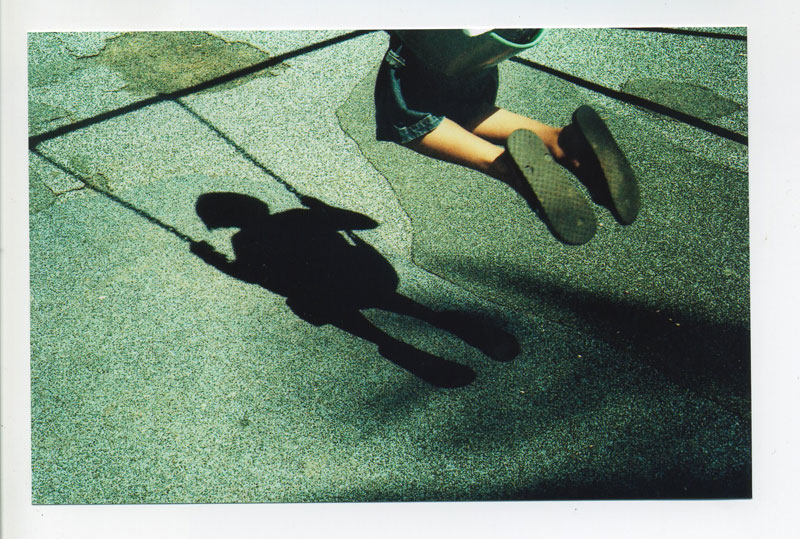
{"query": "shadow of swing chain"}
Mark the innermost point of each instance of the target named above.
(35, 140)
(140, 212)
(105, 192)
(169, 228)
(244, 153)
(241, 151)
(638, 101)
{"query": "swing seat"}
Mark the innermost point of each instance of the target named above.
(456, 53)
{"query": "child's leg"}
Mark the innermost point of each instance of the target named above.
(451, 142)
(542, 183)
(476, 144)
(600, 164)
(495, 124)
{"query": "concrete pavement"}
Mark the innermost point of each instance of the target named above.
(158, 378)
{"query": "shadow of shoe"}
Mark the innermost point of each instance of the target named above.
(497, 344)
(432, 369)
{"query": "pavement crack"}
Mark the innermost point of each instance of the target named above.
(79, 56)
(69, 44)
(122, 88)
(340, 113)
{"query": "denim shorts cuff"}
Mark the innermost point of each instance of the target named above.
(419, 129)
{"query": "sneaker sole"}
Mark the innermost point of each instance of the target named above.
(564, 209)
(619, 176)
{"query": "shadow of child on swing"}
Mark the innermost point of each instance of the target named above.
(329, 275)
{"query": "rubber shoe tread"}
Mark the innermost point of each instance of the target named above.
(617, 173)
(561, 206)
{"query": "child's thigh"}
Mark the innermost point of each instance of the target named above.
(452, 142)
(496, 124)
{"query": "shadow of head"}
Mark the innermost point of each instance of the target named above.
(230, 210)
(307, 254)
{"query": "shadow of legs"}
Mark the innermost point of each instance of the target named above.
(494, 342)
(432, 369)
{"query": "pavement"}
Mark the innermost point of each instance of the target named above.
(162, 376)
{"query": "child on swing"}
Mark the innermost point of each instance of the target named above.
(454, 118)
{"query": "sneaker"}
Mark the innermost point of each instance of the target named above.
(604, 170)
(548, 190)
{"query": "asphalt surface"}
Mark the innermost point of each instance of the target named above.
(161, 376)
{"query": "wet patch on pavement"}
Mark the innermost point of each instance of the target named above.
(49, 61)
(163, 62)
(692, 99)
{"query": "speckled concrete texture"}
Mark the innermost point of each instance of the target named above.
(158, 378)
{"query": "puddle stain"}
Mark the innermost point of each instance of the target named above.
(692, 99)
(164, 62)
(84, 44)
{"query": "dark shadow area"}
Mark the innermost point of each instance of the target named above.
(328, 275)
(584, 484)
(711, 359)
(637, 101)
(685, 32)
(160, 98)
(675, 484)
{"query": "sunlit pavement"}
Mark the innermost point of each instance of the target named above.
(158, 377)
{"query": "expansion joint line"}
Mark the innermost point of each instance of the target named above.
(35, 141)
(688, 32)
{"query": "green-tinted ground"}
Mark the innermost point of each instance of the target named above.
(158, 378)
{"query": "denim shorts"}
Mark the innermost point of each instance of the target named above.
(411, 100)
